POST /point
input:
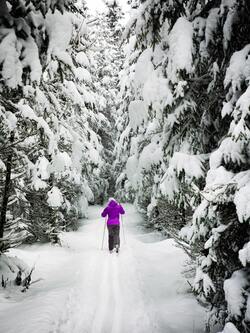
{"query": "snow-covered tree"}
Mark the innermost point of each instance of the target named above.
(50, 124)
(184, 127)
(156, 104)
(106, 57)
(220, 223)
(181, 117)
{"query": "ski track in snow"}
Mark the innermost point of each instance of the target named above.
(86, 290)
(102, 300)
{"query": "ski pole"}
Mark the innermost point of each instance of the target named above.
(123, 231)
(104, 233)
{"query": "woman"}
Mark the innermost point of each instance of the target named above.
(113, 211)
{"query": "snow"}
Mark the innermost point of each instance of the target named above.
(215, 236)
(241, 200)
(42, 165)
(207, 283)
(227, 109)
(83, 206)
(38, 184)
(59, 29)
(156, 91)
(143, 68)
(131, 170)
(244, 254)
(202, 212)
(83, 74)
(153, 127)
(211, 25)
(138, 113)
(84, 289)
(10, 51)
(27, 112)
(11, 120)
(218, 176)
(180, 49)
(230, 328)
(87, 191)
(96, 6)
(169, 184)
(77, 153)
(61, 163)
(93, 154)
(219, 182)
(151, 154)
(82, 59)
(227, 28)
(42, 101)
(9, 267)
(30, 59)
(55, 197)
(173, 118)
(229, 151)
(233, 288)
(72, 92)
(2, 165)
(192, 165)
(199, 24)
(239, 128)
(247, 315)
(228, 4)
(239, 69)
(186, 232)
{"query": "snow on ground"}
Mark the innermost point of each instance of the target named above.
(88, 290)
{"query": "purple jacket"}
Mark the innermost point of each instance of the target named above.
(113, 210)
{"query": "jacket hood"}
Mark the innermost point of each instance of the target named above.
(112, 203)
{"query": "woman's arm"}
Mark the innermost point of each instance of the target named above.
(104, 213)
(121, 210)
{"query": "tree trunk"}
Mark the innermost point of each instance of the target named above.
(6, 191)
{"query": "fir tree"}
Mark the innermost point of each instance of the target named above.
(191, 136)
(50, 125)
(106, 31)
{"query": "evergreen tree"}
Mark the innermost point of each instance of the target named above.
(183, 128)
(107, 56)
(51, 148)
(220, 223)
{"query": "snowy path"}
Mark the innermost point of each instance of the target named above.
(88, 290)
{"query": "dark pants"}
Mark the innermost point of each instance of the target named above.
(114, 238)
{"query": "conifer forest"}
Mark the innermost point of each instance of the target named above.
(146, 102)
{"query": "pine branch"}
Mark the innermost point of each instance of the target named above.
(2, 148)
(8, 105)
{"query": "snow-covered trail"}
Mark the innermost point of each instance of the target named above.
(88, 290)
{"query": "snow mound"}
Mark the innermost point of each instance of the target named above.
(138, 113)
(239, 69)
(59, 29)
(233, 292)
(180, 49)
(143, 68)
(55, 197)
(230, 328)
(10, 266)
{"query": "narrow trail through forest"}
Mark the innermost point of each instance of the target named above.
(88, 290)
